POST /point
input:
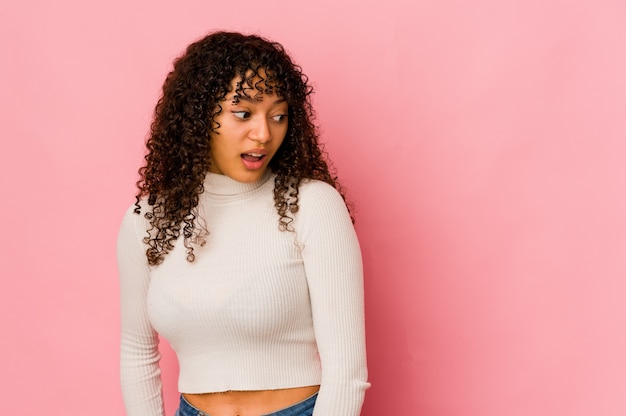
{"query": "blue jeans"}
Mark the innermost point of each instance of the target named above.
(303, 408)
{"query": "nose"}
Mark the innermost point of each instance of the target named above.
(260, 131)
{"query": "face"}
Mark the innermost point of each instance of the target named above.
(249, 134)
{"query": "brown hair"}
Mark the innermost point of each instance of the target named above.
(178, 146)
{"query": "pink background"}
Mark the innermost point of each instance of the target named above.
(482, 144)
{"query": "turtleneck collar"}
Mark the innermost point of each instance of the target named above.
(217, 184)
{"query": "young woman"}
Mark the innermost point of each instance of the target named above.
(240, 250)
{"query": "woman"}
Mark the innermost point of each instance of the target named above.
(243, 255)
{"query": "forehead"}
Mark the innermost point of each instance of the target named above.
(254, 85)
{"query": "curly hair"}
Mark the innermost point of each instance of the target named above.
(178, 146)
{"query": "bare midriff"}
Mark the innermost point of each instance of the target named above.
(249, 403)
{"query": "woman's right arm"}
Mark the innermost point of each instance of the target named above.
(139, 355)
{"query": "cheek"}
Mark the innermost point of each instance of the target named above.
(217, 147)
(279, 141)
(280, 133)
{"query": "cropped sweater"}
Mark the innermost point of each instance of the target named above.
(258, 309)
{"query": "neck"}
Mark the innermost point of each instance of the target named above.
(218, 184)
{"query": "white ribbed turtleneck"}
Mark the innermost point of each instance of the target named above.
(258, 309)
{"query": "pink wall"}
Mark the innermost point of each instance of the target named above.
(483, 145)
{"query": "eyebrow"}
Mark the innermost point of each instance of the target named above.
(254, 101)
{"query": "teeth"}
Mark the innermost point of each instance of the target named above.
(255, 154)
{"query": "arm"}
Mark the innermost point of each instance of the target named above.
(332, 260)
(139, 355)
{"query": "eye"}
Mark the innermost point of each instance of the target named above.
(280, 117)
(241, 114)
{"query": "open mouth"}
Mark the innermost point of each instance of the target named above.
(253, 161)
(252, 157)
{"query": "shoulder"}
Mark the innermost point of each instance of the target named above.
(321, 206)
(323, 222)
(133, 216)
(314, 193)
(134, 224)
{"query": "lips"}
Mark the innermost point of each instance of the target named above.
(254, 159)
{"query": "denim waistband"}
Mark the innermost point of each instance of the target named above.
(303, 408)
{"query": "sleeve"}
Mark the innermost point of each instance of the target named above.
(334, 270)
(139, 354)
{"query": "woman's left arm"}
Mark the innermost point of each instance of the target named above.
(334, 270)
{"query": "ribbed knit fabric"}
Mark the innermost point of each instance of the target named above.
(258, 309)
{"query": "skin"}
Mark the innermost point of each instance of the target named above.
(258, 127)
(249, 126)
(249, 403)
